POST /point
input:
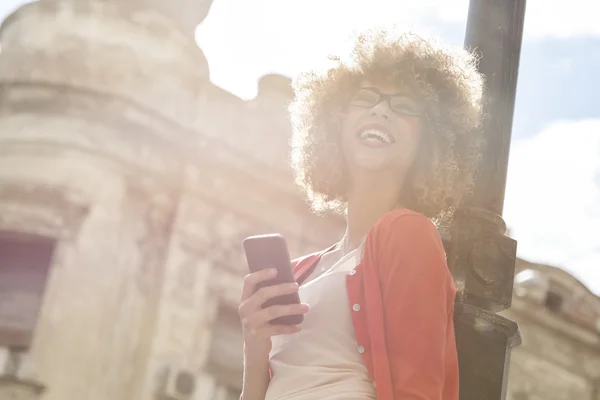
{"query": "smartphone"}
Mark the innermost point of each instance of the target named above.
(271, 251)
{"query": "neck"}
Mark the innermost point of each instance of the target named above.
(368, 201)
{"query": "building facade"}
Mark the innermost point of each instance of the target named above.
(127, 182)
(559, 319)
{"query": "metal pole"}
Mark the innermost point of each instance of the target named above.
(495, 32)
(481, 257)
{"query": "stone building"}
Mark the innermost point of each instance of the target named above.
(559, 319)
(127, 182)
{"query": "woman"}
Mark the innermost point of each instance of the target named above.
(390, 138)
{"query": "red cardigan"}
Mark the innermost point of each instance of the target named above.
(402, 303)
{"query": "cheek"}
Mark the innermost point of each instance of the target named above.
(409, 148)
(349, 121)
(413, 132)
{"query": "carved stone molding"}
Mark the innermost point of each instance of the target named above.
(41, 210)
(149, 209)
(38, 113)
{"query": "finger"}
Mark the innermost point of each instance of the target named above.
(254, 319)
(276, 311)
(276, 330)
(253, 279)
(267, 331)
(262, 295)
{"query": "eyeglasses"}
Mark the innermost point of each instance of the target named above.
(398, 103)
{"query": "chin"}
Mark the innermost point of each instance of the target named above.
(371, 165)
(373, 161)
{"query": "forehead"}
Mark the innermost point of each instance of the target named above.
(388, 87)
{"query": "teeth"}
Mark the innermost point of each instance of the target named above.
(376, 134)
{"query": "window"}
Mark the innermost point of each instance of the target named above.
(24, 264)
(554, 301)
(557, 296)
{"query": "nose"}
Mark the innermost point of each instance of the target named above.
(381, 110)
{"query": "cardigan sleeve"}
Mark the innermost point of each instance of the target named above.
(418, 298)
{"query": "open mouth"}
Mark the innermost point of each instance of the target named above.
(375, 136)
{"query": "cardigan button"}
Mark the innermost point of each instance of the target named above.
(353, 272)
(374, 385)
(356, 307)
(361, 349)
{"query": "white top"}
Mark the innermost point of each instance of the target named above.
(322, 361)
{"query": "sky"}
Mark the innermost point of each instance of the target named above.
(553, 190)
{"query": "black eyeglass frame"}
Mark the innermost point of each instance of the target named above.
(384, 97)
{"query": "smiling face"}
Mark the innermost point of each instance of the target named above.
(381, 131)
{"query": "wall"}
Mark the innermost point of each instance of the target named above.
(560, 356)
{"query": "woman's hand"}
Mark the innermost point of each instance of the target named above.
(258, 331)
(255, 319)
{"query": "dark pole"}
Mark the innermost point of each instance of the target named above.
(495, 32)
(481, 257)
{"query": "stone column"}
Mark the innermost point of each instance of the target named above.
(481, 256)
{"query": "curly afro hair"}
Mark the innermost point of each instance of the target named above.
(447, 83)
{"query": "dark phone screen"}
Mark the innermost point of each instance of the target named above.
(271, 251)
